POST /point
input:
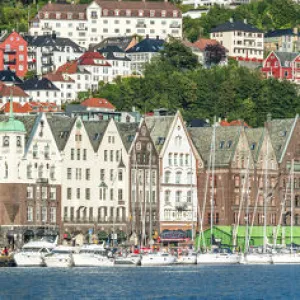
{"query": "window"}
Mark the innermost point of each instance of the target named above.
(40, 171)
(84, 154)
(175, 159)
(44, 192)
(170, 159)
(78, 193)
(187, 157)
(52, 172)
(111, 194)
(52, 193)
(69, 173)
(29, 171)
(117, 155)
(120, 194)
(181, 160)
(178, 177)
(87, 194)
(120, 175)
(19, 144)
(44, 214)
(111, 155)
(178, 196)
(69, 193)
(5, 141)
(167, 196)
(111, 177)
(72, 154)
(189, 178)
(87, 174)
(105, 155)
(53, 214)
(78, 154)
(102, 174)
(29, 213)
(29, 192)
(167, 176)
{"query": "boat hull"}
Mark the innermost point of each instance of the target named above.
(286, 258)
(127, 261)
(218, 258)
(158, 261)
(58, 262)
(189, 260)
(28, 260)
(256, 259)
(92, 261)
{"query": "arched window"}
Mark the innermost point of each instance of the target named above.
(120, 175)
(178, 177)
(167, 176)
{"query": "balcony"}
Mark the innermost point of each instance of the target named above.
(9, 62)
(46, 27)
(175, 25)
(42, 180)
(10, 51)
(141, 25)
(81, 28)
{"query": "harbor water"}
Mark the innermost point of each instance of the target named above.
(176, 282)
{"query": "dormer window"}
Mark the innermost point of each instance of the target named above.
(70, 15)
(46, 15)
(141, 13)
(152, 13)
(81, 16)
(128, 13)
(175, 13)
(58, 15)
(105, 12)
(117, 12)
(6, 141)
(94, 15)
(163, 13)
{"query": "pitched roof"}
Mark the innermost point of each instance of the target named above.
(236, 26)
(38, 84)
(279, 131)
(147, 45)
(281, 32)
(159, 127)
(98, 103)
(52, 41)
(70, 67)
(91, 58)
(13, 90)
(9, 76)
(95, 131)
(286, 57)
(255, 137)
(59, 77)
(127, 132)
(225, 143)
(123, 42)
(202, 43)
(61, 127)
(110, 53)
(30, 107)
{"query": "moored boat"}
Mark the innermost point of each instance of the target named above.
(218, 256)
(131, 259)
(158, 259)
(187, 258)
(60, 257)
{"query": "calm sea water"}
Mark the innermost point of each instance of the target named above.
(189, 282)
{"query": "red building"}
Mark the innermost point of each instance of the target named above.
(13, 53)
(282, 65)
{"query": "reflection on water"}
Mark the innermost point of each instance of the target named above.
(188, 282)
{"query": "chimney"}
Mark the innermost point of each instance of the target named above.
(231, 20)
(245, 21)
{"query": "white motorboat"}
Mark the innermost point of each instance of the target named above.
(218, 256)
(286, 256)
(187, 258)
(256, 258)
(128, 260)
(32, 254)
(60, 257)
(158, 259)
(92, 256)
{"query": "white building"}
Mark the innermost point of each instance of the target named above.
(90, 24)
(47, 52)
(240, 39)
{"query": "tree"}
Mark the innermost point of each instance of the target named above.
(214, 54)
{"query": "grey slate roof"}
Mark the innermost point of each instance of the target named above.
(279, 130)
(236, 26)
(127, 132)
(61, 127)
(38, 84)
(147, 45)
(281, 32)
(109, 53)
(159, 127)
(255, 137)
(95, 131)
(286, 57)
(54, 42)
(228, 137)
(10, 77)
(122, 42)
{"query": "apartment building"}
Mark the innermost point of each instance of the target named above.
(242, 40)
(90, 24)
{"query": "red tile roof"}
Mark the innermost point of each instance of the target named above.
(225, 123)
(69, 67)
(30, 107)
(202, 43)
(91, 58)
(98, 103)
(58, 77)
(15, 91)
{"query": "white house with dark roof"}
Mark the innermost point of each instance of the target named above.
(242, 40)
(90, 24)
(47, 52)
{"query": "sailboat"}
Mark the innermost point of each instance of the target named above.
(265, 257)
(216, 255)
(288, 256)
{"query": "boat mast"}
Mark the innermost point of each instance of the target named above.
(266, 196)
(292, 202)
(150, 196)
(191, 192)
(212, 182)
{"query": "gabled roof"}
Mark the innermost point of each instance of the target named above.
(236, 26)
(159, 127)
(70, 67)
(95, 131)
(59, 77)
(123, 42)
(281, 32)
(225, 143)
(255, 137)
(52, 41)
(91, 58)
(98, 103)
(111, 51)
(147, 45)
(13, 90)
(57, 7)
(61, 127)
(285, 57)
(9, 76)
(127, 132)
(38, 84)
(279, 131)
(202, 43)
